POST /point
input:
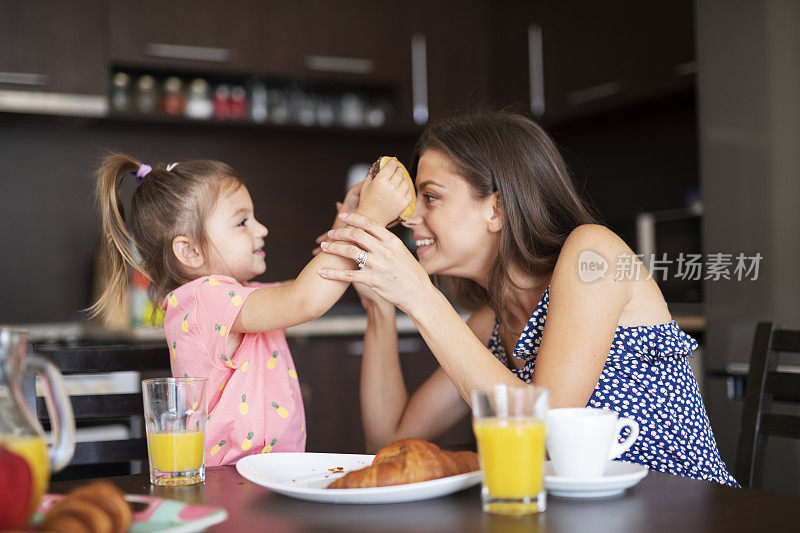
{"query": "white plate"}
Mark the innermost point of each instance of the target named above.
(618, 477)
(305, 475)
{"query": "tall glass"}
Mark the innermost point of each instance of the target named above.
(509, 425)
(175, 419)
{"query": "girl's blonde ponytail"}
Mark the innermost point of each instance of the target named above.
(117, 246)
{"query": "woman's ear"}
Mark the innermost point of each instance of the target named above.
(187, 253)
(496, 214)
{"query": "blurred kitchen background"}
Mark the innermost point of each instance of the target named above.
(680, 121)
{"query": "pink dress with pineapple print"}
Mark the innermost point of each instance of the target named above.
(254, 401)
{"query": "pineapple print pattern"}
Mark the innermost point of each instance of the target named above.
(211, 281)
(273, 361)
(227, 361)
(222, 330)
(248, 442)
(235, 298)
(268, 447)
(216, 447)
(173, 301)
(282, 412)
(174, 345)
(185, 324)
(243, 405)
(292, 373)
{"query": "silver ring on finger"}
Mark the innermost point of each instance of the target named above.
(362, 259)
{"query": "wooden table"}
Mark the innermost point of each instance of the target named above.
(660, 502)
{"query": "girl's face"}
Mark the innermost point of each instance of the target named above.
(455, 233)
(236, 238)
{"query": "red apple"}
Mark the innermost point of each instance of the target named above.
(16, 490)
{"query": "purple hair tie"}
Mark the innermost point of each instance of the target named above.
(143, 171)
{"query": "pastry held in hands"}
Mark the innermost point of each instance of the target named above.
(378, 165)
(408, 461)
(97, 507)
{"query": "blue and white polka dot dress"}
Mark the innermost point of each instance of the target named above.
(647, 378)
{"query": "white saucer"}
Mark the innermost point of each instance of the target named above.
(618, 477)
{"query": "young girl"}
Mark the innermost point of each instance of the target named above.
(499, 218)
(193, 226)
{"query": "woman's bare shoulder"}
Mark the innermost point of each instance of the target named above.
(596, 269)
(481, 322)
(589, 262)
(594, 236)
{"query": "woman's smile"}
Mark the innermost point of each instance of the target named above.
(423, 244)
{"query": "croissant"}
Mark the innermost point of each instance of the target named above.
(408, 461)
(98, 507)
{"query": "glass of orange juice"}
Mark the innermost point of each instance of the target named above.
(509, 426)
(175, 420)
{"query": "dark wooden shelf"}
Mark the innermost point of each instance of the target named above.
(182, 122)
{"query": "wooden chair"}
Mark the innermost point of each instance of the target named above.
(765, 384)
(97, 409)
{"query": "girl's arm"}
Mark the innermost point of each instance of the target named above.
(386, 410)
(581, 321)
(307, 297)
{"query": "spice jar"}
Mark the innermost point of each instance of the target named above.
(278, 106)
(121, 92)
(173, 101)
(146, 94)
(222, 102)
(198, 103)
(258, 102)
(238, 105)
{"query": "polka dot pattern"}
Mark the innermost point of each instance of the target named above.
(646, 377)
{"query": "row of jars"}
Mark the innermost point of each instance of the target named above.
(253, 101)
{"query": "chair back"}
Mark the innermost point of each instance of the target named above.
(765, 384)
(114, 407)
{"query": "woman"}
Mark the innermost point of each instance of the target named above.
(498, 217)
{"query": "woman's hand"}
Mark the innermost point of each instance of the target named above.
(386, 195)
(367, 296)
(390, 270)
(371, 301)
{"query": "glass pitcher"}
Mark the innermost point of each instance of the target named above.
(20, 431)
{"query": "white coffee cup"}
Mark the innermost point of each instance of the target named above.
(581, 441)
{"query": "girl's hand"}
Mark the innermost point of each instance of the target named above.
(390, 269)
(351, 199)
(350, 203)
(385, 196)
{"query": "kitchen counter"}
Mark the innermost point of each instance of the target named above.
(83, 332)
(346, 320)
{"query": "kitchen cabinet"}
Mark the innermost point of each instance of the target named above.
(456, 34)
(187, 35)
(329, 370)
(358, 46)
(566, 59)
(52, 46)
(349, 40)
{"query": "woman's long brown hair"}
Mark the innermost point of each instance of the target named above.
(507, 153)
(166, 204)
